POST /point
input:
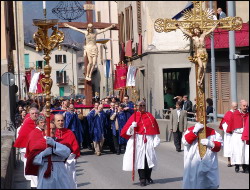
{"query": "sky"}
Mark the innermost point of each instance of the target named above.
(34, 10)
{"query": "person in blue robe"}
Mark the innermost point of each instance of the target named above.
(129, 106)
(118, 120)
(109, 136)
(72, 122)
(98, 124)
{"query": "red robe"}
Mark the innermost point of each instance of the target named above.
(245, 134)
(146, 120)
(237, 121)
(226, 119)
(67, 137)
(27, 126)
(36, 144)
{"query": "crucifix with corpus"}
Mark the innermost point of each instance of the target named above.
(197, 24)
(90, 49)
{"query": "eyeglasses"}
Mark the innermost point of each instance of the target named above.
(142, 105)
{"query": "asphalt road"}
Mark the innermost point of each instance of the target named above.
(105, 171)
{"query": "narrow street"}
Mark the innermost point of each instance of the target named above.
(105, 172)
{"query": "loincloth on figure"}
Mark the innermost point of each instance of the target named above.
(203, 56)
(91, 50)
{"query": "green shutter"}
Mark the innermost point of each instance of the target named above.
(44, 62)
(36, 64)
(61, 91)
(26, 61)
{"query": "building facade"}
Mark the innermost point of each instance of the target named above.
(64, 65)
(164, 61)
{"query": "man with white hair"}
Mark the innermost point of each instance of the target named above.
(28, 125)
(227, 149)
(240, 149)
(143, 130)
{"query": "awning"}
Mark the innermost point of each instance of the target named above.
(221, 38)
(190, 5)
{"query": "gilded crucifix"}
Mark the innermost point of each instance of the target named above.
(197, 24)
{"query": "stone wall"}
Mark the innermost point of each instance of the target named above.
(8, 159)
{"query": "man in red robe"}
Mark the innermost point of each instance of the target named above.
(67, 137)
(227, 136)
(245, 134)
(144, 126)
(28, 125)
(240, 149)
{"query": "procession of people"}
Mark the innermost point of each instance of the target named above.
(53, 133)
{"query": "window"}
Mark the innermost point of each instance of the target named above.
(61, 77)
(40, 64)
(98, 16)
(60, 58)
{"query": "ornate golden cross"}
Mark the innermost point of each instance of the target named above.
(197, 24)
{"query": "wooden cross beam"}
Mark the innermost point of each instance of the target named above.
(89, 7)
(197, 24)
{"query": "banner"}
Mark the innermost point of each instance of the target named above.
(36, 89)
(107, 69)
(131, 76)
(120, 76)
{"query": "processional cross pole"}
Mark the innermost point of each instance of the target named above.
(89, 7)
(197, 24)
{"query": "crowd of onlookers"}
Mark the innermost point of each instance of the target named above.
(170, 104)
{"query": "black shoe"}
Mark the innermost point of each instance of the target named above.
(150, 181)
(237, 168)
(245, 168)
(143, 183)
(178, 150)
(229, 165)
(118, 153)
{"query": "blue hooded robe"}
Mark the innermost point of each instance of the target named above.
(97, 125)
(73, 123)
(122, 119)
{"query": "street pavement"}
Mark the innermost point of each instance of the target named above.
(105, 172)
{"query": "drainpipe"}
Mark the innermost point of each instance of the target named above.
(233, 73)
(213, 72)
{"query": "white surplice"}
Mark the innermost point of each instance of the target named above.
(240, 150)
(142, 149)
(200, 173)
(70, 165)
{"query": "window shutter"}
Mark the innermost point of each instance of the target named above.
(36, 64)
(57, 76)
(56, 58)
(127, 23)
(44, 62)
(139, 27)
(64, 59)
(64, 76)
(225, 90)
(131, 34)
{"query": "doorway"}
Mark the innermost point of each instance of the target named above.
(177, 80)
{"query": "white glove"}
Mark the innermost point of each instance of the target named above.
(134, 124)
(207, 143)
(197, 127)
(50, 141)
(47, 151)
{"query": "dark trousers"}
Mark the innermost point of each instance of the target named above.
(177, 139)
(116, 143)
(146, 172)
